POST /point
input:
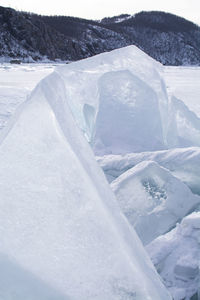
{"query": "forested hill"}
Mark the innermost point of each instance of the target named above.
(167, 38)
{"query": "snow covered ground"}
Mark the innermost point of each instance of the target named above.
(16, 82)
(54, 196)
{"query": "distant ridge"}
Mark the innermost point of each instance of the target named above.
(169, 39)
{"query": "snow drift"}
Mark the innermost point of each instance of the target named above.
(62, 233)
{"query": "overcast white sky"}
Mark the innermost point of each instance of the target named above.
(97, 9)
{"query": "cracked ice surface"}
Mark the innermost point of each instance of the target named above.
(176, 256)
(62, 233)
(152, 199)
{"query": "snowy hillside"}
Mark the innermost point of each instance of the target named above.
(64, 234)
(167, 38)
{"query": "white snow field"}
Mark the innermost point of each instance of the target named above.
(176, 256)
(62, 233)
(152, 199)
(16, 82)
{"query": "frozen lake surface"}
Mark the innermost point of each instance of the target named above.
(16, 83)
